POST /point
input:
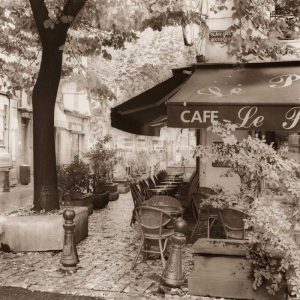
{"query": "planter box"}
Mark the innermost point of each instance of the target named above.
(100, 200)
(86, 201)
(123, 186)
(221, 270)
(123, 189)
(40, 232)
(111, 187)
(113, 196)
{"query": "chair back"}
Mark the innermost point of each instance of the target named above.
(233, 223)
(151, 220)
(137, 196)
(150, 182)
(145, 189)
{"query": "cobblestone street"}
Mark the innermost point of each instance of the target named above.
(105, 262)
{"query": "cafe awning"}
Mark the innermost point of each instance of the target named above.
(259, 96)
(146, 113)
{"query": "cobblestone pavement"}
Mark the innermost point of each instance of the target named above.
(105, 262)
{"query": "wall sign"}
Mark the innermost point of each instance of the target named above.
(219, 36)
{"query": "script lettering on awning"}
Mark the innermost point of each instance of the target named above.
(247, 117)
(283, 81)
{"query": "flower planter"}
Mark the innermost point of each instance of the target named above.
(100, 200)
(40, 232)
(112, 188)
(221, 270)
(85, 200)
(123, 186)
(113, 196)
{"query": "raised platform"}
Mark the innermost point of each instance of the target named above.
(40, 232)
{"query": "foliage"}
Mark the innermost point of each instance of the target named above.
(102, 160)
(257, 33)
(73, 177)
(100, 25)
(140, 161)
(265, 178)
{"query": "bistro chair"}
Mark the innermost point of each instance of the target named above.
(233, 223)
(137, 198)
(145, 189)
(206, 214)
(153, 227)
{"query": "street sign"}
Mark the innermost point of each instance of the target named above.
(219, 36)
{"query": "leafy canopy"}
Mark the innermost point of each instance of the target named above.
(98, 26)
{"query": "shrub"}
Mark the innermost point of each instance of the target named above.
(271, 224)
(102, 160)
(73, 177)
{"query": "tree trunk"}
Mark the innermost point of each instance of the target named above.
(43, 101)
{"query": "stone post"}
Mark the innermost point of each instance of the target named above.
(6, 184)
(173, 276)
(69, 258)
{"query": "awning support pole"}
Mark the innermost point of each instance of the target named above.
(198, 142)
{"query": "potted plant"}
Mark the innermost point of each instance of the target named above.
(72, 183)
(72, 178)
(269, 194)
(102, 161)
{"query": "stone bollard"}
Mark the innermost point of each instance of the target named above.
(6, 184)
(69, 257)
(173, 276)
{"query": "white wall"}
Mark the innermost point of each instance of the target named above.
(211, 176)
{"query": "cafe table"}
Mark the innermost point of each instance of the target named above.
(161, 191)
(166, 203)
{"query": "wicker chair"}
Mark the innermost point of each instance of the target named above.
(137, 198)
(202, 213)
(233, 223)
(153, 227)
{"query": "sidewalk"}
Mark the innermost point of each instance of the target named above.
(105, 262)
(18, 196)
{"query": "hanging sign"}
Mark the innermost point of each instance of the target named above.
(219, 36)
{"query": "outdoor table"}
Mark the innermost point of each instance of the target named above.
(176, 174)
(169, 183)
(161, 191)
(162, 186)
(166, 203)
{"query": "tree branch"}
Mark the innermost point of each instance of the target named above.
(40, 15)
(73, 7)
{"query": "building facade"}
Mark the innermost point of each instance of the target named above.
(213, 50)
(72, 115)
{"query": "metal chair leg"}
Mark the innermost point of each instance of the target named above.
(161, 253)
(209, 226)
(196, 225)
(137, 256)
